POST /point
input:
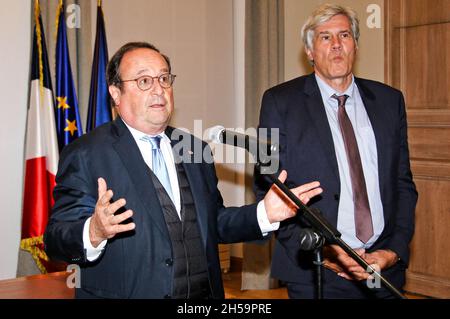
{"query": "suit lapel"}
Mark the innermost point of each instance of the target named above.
(316, 110)
(378, 125)
(139, 174)
(185, 153)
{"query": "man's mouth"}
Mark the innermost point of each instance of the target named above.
(157, 106)
(338, 59)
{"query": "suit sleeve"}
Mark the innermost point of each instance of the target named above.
(233, 224)
(407, 194)
(272, 116)
(269, 118)
(75, 200)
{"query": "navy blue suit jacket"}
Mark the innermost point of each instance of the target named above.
(307, 153)
(137, 264)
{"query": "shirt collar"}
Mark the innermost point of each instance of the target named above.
(328, 91)
(140, 136)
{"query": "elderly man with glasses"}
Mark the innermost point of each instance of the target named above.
(141, 219)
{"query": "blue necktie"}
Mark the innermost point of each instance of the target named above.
(159, 165)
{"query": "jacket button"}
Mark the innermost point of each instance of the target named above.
(167, 296)
(169, 262)
(336, 196)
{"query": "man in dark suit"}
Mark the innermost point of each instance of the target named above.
(137, 208)
(351, 135)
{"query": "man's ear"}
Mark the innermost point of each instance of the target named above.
(310, 56)
(114, 91)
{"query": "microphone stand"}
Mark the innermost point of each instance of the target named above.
(312, 241)
(318, 262)
(324, 228)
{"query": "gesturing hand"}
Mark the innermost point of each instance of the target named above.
(279, 207)
(104, 224)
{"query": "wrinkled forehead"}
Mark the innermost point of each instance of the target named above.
(143, 61)
(337, 23)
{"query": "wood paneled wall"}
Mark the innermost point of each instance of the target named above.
(418, 63)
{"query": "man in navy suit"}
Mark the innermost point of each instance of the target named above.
(141, 215)
(351, 135)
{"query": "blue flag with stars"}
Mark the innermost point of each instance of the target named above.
(68, 124)
(99, 110)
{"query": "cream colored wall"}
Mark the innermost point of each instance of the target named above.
(205, 42)
(15, 41)
(370, 62)
(197, 35)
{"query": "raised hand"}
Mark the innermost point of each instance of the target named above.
(279, 207)
(104, 224)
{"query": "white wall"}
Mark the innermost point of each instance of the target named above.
(370, 61)
(199, 37)
(205, 42)
(238, 186)
(15, 43)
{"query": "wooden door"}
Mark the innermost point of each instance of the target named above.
(418, 63)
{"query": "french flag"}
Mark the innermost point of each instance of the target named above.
(41, 150)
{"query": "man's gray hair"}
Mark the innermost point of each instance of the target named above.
(324, 13)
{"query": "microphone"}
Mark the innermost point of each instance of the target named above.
(309, 239)
(218, 134)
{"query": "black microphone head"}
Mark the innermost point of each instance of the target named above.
(274, 148)
(309, 239)
(215, 134)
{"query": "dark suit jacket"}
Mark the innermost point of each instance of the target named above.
(137, 264)
(307, 153)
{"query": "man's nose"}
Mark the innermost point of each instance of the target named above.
(156, 88)
(336, 42)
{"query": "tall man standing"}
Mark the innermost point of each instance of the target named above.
(351, 135)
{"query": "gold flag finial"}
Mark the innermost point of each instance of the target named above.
(37, 13)
(58, 13)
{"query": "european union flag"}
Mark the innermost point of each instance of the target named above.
(99, 111)
(68, 122)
